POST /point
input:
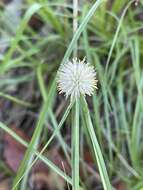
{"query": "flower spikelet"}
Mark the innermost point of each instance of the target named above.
(76, 77)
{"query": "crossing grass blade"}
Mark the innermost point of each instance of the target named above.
(35, 137)
(56, 132)
(50, 164)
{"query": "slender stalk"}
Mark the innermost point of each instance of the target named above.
(80, 30)
(75, 135)
(96, 147)
(75, 23)
(75, 148)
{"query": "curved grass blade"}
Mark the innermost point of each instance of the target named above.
(32, 10)
(50, 164)
(46, 145)
(35, 137)
(116, 35)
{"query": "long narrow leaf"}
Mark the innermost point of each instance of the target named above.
(96, 147)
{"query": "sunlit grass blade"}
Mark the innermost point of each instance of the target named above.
(56, 132)
(35, 137)
(50, 164)
(96, 147)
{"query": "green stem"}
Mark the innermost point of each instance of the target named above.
(75, 148)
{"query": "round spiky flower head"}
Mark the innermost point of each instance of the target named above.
(76, 77)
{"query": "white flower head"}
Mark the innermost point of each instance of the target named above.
(76, 77)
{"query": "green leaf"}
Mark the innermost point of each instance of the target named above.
(35, 137)
(96, 147)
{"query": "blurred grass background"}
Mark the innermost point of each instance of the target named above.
(33, 41)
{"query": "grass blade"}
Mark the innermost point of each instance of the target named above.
(41, 157)
(56, 132)
(33, 9)
(35, 137)
(116, 34)
(96, 147)
(80, 30)
(16, 100)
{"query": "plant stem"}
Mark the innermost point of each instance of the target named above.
(75, 147)
(75, 23)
